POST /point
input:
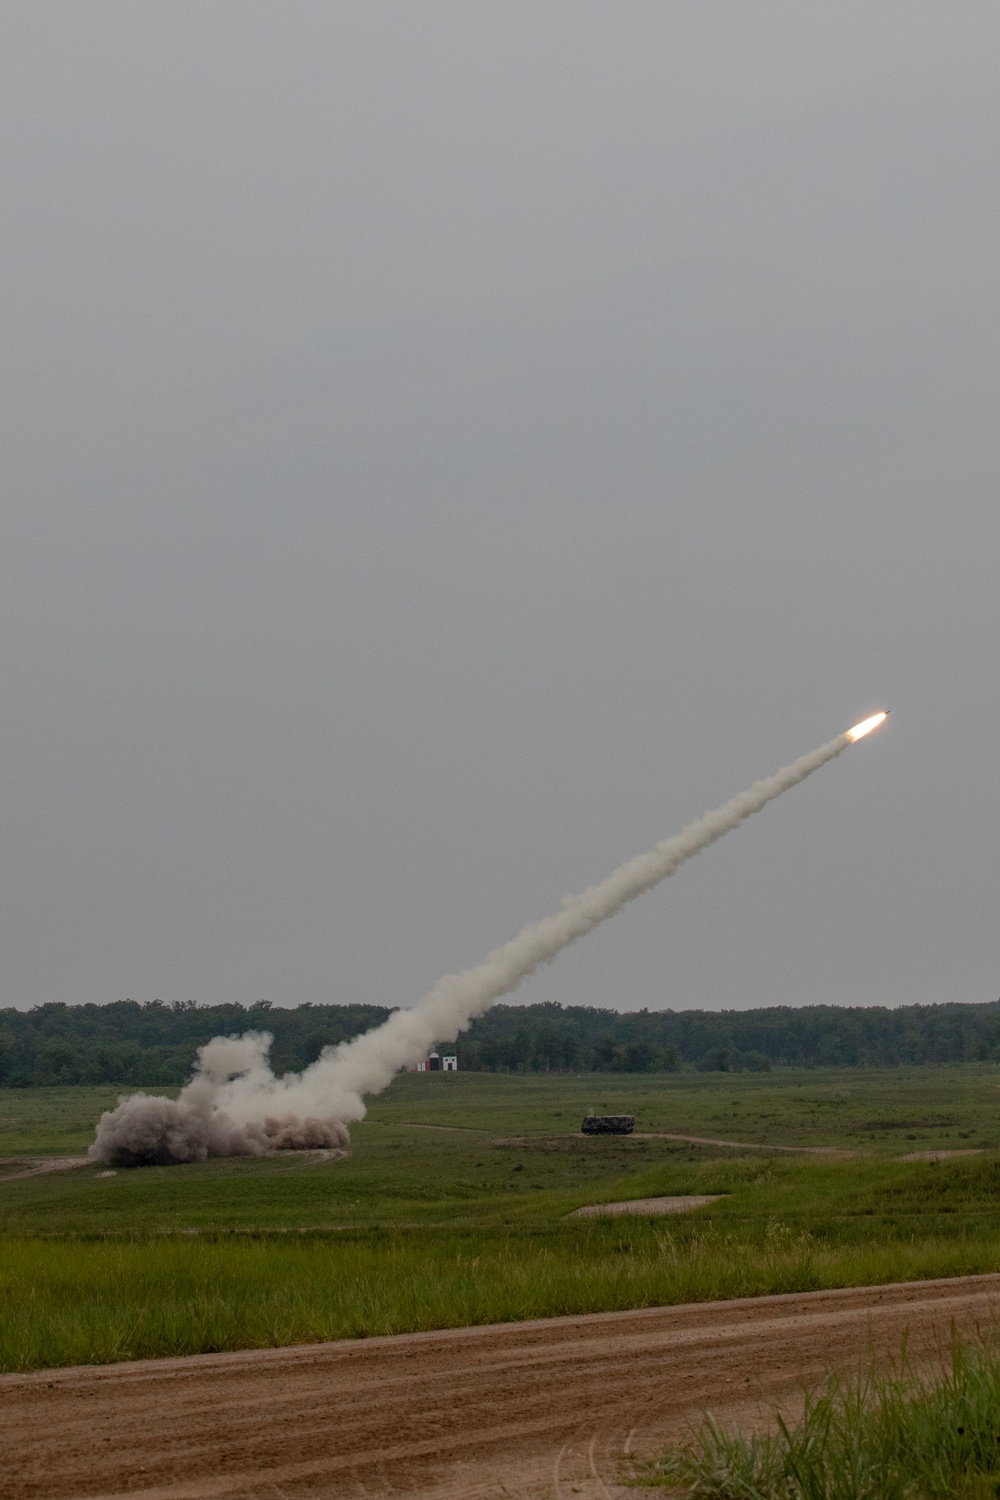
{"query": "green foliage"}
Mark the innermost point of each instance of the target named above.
(896, 1435)
(550, 1037)
(455, 1205)
(90, 1302)
(153, 1045)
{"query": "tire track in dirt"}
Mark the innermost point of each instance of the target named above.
(39, 1166)
(707, 1140)
(540, 1410)
(659, 1135)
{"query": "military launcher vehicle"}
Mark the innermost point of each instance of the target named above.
(608, 1124)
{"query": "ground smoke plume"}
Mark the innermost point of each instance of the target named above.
(235, 1105)
(217, 1114)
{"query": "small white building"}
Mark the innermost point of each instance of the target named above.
(435, 1063)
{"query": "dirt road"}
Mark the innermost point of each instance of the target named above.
(540, 1410)
(711, 1140)
(12, 1168)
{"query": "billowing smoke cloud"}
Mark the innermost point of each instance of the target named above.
(235, 1105)
(217, 1114)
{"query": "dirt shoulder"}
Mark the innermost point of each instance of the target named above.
(539, 1409)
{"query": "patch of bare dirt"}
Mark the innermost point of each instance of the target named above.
(38, 1166)
(562, 1142)
(705, 1140)
(647, 1206)
(942, 1155)
(539, 1410)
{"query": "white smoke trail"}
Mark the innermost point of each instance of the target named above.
(367, 1064)
(230, 1105)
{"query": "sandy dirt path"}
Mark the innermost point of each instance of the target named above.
(711, 1140)
(662, 1135)
(38, 1166)
(541, 1410)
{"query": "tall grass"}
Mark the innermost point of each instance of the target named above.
(881, 1436)
(71, 1302)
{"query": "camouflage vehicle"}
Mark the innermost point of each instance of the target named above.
(608, 1124)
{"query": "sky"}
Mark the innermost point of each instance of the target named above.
(448, 446)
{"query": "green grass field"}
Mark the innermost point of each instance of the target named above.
(896, 1434)
(452, 1209)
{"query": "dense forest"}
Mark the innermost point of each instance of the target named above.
(153, 1045)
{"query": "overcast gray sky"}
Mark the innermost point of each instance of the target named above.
(447, 446)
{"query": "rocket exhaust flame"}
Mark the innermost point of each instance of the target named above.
(235, 1105)
(867, 725)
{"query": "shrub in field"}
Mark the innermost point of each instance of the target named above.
(899, 1435)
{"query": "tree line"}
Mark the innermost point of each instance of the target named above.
(153, 1044)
